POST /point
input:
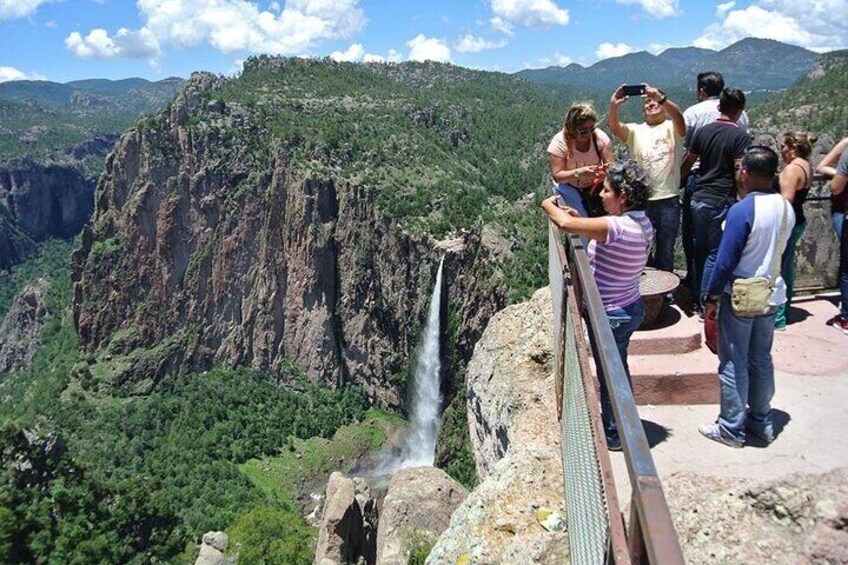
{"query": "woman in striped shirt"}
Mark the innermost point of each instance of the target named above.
(617, 252)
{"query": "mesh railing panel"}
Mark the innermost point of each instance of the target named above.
(588, 519)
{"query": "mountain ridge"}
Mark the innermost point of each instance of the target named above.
(678, 67)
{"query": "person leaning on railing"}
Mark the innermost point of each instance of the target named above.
(618, 252)
(794, 184)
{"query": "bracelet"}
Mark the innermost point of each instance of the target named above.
(662, 100)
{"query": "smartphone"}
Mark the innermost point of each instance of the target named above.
(634, 89)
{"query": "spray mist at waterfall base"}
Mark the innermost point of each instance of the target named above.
(419, 445)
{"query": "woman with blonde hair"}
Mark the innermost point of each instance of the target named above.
(795, 180)
(577, 155)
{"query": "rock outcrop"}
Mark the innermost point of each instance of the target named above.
(231, 258)
(19, 329)
(416, 510)
(348, 528)
(213, 548)
(515, 435)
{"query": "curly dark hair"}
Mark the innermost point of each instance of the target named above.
(630, 178)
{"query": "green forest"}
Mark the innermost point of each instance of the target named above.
(89, 477)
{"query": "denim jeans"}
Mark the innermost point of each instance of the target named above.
(665, 218)
(843, 268)
(745, 372)
(571, 196)
(623, 322)
(836, 219)
(686, 236)
(707, 223)
(787, 271)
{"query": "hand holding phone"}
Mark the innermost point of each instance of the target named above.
(634, 89)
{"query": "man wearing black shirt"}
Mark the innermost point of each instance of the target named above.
(720, 147)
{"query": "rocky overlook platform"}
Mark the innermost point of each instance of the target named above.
(735, 506)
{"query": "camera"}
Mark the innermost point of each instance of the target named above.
(634, 89)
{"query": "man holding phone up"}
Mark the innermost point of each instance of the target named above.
(657, 145)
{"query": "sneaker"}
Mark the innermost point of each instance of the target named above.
(841, 324)
(765, 438)
(614, 442)
(712, 431)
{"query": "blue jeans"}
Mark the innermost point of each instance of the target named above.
(745, 372)
(836, 219)
(665, 218)
(572, 198)
(707, 223)
(787, 271)
(623, 322)
(686, 236)
(843, 268)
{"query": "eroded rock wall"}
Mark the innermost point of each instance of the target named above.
(226, 258)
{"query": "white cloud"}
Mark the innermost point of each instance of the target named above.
(502, 26)
(815, 25)
(656, 8)
(394, 56)
(15, 9)
(530, 13)
(607, 50)
(423, 48)
(722, 9)
(353, 53)
(558, 59)
(126, 44)
(238, 26)
(11, 73)
(472, 44)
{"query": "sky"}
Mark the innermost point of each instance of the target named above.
(64, 40)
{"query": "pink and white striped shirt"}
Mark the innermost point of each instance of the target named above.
(619, 261)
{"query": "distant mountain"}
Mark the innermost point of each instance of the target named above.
(817, 102)
(760, 64)
(41, 118)
(127, 94)
(750, 64)
(687, 57)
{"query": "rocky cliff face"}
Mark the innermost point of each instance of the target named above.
(38, 202)
(46, 200)
(19, 329)
(200, 253)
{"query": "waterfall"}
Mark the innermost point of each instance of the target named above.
(420, 446)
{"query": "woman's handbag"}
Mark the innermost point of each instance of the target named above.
(750, 297)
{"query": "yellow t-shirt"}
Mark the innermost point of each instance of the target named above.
(659, 150)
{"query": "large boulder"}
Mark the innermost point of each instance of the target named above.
(416, 510)
(213, 548)
(515, 437)
(19, 329)
(347, 532)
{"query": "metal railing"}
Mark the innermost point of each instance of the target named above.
(595, 525)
